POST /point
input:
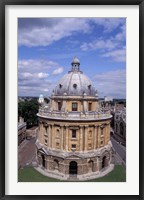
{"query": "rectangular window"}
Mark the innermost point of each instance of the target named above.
(101, 131)
(89, 106)
(73, 146)
(57, 144)
(73, 133)
(45, 141)
(102, 142)
(59, 105)
(74, 106)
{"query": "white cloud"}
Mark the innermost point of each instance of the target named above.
(112, 83)
(36, 65)
(43, 32)
(47, 33)
(109, 24)
(42, 75)
(33, 76)
(57, 71)
(116, 55)
(99, 44)
(113, 48)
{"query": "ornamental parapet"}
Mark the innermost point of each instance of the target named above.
(74, 115)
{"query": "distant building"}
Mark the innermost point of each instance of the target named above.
(106, 98)
(21, 130)
(120, 123)
(74, 132)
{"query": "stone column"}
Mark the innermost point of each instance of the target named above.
(85, 135)
(108, 131)
(40, 129)
(49, 136)
(63, 105)
(62, 128)
(81, 138)
(67, 138)
(45, 129)
(52, 136)
(95, 137)
(42, 133)
(106, 134)
(98, 136)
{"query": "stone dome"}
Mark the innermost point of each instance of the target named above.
(75, 83)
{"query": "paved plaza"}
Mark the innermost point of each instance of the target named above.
(26, 153)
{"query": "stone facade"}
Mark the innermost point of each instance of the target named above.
(120, 125)
(74, 133)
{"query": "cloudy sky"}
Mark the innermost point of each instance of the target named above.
(46, 47)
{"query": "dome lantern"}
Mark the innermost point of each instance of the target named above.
(75, 64)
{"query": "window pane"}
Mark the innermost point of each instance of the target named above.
(74, 106)
(73, 133)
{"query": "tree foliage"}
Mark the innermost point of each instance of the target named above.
(28, 110)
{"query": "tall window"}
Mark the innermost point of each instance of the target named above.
(73, 133)
(89, 106)
(59, 105)
(101, 132)
(74, 106)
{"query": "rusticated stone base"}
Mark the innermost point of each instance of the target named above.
(77, 165)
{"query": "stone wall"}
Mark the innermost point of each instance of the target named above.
(89, 135)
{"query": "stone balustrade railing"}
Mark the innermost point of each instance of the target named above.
(73, 115)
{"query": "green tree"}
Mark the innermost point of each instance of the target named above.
(28, 110)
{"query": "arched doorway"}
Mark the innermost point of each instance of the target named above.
(90, 166)
(104, 162)
(73, 168)
(43, 160)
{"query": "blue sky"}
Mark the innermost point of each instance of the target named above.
(46, 47)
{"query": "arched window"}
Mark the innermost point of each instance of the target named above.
(73, 168)
(104, 162)
(60, 85)
(43, 160)
(90, 166)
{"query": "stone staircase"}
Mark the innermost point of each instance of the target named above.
(73, 178)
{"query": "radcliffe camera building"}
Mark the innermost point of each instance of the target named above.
(74, 132)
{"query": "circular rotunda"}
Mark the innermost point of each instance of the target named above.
(74, 132)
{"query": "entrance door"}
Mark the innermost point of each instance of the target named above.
(43, 161)
(73, 168)
(104, 162)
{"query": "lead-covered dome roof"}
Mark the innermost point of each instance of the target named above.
(75, 83)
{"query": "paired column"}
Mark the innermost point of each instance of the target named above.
(95, 137)
(66, 138)
(62, 133)
(52, 136)
(81, 138)
(98, 136)
(49, 136)
(85, 136)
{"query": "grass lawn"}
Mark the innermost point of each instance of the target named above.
(29, 174)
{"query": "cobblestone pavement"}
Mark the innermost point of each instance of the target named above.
(26, 152)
